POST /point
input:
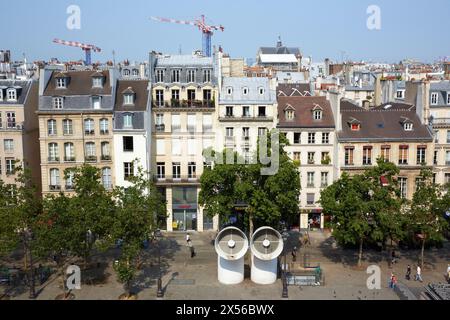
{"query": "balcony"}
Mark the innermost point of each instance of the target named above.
(89, 132)
(91, 159)
(11, 126)
(311, 161)
(160, 127)
(185, 104)
(53, 159)
(106, 158)
(185, 179)
(310, 185)
(207, 129)
(230, 140)
(104, 132)
(69, 187)
(441, 122)
(54, 188)
(69, 159)
(245, 118)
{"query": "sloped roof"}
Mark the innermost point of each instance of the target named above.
(253, 84)
(293, 89)
(303, 114)
(80, 83)
(139, 88)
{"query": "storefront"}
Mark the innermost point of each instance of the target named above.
(184, 209)
(311, 219)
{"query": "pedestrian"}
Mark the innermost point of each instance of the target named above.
(191, 248)
(448, 273)
(393, 261)
(419, 274)
(294, 254)
(391, 281)
(408, 272)
(188, 238)
(394, 281)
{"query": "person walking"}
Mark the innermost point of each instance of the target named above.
(391, 281)
(419, 274)
(393, 256)
(188, 238)
(408, 272)
(191, 248)
(394, 281)
(448, 273)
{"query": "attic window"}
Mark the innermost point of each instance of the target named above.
(126, 72)
(11, 95)
(355, 126)
(245, 91)
(128, 99)
(61, 83)
(135, 72)
(261, 91)
(289, 114)
(97, 82)
(317, 115)
(408, 126)
(229, 90)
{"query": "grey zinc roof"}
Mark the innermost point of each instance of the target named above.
(184, 60)
(279, 50)
(21, 94)
(441, 88)
(253, 84)
(363, 88)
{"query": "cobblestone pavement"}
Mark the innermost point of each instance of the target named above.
(186, 278)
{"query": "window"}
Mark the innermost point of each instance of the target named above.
(159, 122)
(176, 170)
(448, 136)
(58, 102)
(447, 158)
(349, 156)
(355, 126)
(228, 111)
(160, 170)
(400, 94)
(192, 146)
(448, 97)
(96, 102)
(403, 186)
(8, 145)
(176, 123)
(190, 76)
(55, 183)
(207, 95)
(434, 98)
(367, 156)
(191, 95)
(311, 156)
(229, 90)
(90, 151)
(246, 133)
(317, 114)
(176, 94)
(408, 126)
(89, 127)
(207, 123)
(192, 170)
(229, 132)
(325, 158)
(104, 126)
(128, 99)
(386, 153)
(160, 75)
(97, 82)
(128, 121)
(69, 152)
(311, 138)
(261, 91)
(128, 170)
(207, 75)
(403, 155)
(11, 119)
(176, 147)
(261, 111)
(67, 127)
(106, 178)
(297, 156)
(262, 132)
(310, 199)
(128, 144)
(10, 165)
(246, 111)
(160, 147)
(447, 178)
(60, 83)
(160, 98)
(106, 154)
(245, 91)
(324, 179)
(126, 73)
(435, 158)
(310, 182)
(421, 155)
(325, 138)
(289, 114)
(297, 137)
(69, 180)
(51, 126)
(135, 72)
(176, 75)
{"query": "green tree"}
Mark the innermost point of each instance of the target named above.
(427, 211)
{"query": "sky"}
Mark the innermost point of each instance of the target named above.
(334, 29)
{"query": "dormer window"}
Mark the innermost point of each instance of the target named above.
(128, 99)
(408, 126)
(289, 114)
(434, 98)
(261, 91)
(126, 72)
(58, 102)
(61, 83)
(96, 102)
(355, 126)
(229, 90)
(97, 82)
(1, 94)
(135, 72)
(245, 91)
(448, 97)
(11, 94)
(317, 114)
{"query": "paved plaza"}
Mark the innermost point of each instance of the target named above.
(186, 278)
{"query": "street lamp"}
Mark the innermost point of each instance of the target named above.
(160, 292)
(28, 237)
(285, 236)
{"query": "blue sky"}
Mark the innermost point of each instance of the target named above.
(327, 28)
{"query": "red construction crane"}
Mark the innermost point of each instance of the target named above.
(207, 30)
(87, 48)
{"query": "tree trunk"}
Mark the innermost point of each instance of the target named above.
(250, 223)
(421, 254)
(127, 288)
(360, 252)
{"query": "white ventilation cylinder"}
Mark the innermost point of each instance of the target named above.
(231, 246)
(266, 245)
